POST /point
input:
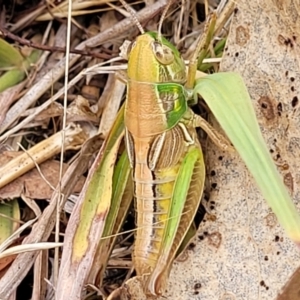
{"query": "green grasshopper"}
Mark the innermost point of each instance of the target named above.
(165, 155)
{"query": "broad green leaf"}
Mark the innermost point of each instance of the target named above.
(229, 101)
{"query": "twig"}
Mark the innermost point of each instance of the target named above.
(5, 33)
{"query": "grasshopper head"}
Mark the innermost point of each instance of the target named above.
(155, 60)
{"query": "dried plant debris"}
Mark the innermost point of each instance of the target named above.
(35, 184)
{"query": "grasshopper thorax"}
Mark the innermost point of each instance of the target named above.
(155, 60)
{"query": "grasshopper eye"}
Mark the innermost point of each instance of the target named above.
(162, 53)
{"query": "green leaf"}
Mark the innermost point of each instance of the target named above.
(9, 55)
(122, 195)
(229, 101)
(15, 76)
(97, 192)
(8, 212)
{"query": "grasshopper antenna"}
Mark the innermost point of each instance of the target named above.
(163, 15)
(133, 16)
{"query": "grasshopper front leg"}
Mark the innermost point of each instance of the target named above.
(197, 121)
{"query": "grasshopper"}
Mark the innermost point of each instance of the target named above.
(165, 155)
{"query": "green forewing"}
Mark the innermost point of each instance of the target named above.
(185, 201)
(181, 189)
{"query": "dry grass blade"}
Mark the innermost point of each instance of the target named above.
(15, 235)
(113, 92)
(8, 97)
(78, 8)
(29, 247)
(41, 271)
